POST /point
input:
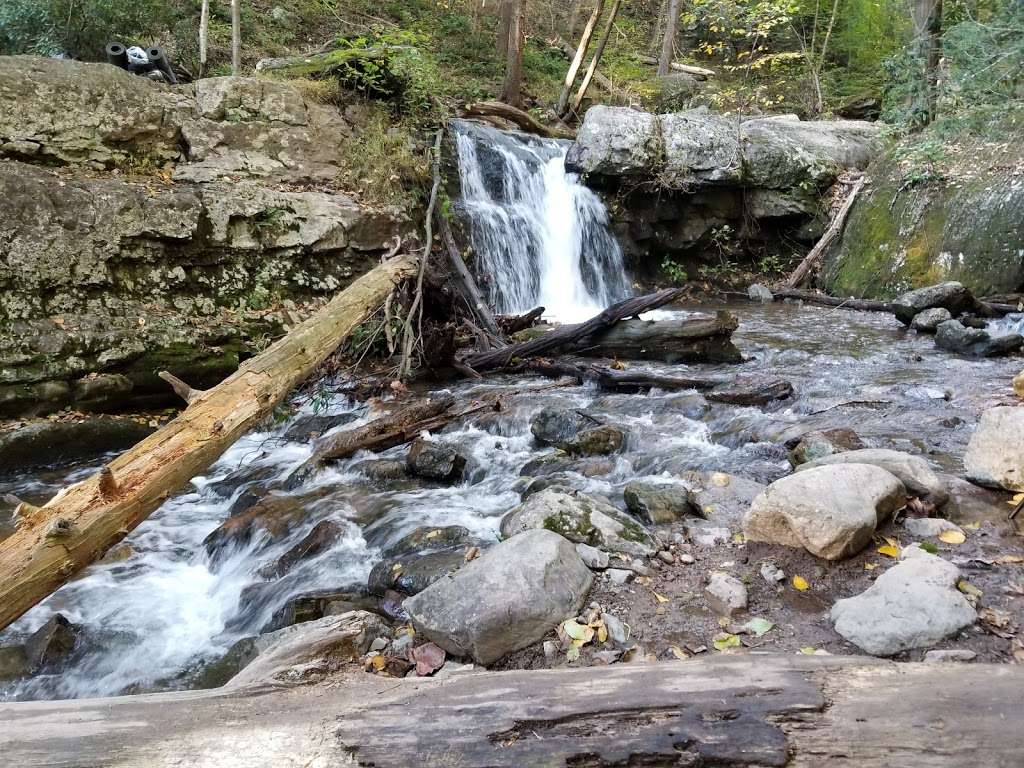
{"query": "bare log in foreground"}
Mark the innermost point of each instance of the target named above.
(802, 272)
(84, 520)
(566, 335)
(864, 305)
(523, 120)
(755, 709)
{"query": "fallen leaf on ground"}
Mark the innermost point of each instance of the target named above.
(678, 652)
(968, 589)
(577, 631)
(997, 621)
(952, 537)
(573, 653)
(758, 626)
(1008, 559)
(724, 640)
(800, 583)
(889, 551)
(870, 566)
(928, 547)
(659, 598)
(720, 479)
(808, 650)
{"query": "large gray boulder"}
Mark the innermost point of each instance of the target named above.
(720, 497)
(580, 518)
(616, 141)
(955, 337)
(929, 320)
(832, 511)
(914, 604)
(912, 471)
(995, 454)
(657, 502)
(507, 599)
(700, 147)
(951, 296)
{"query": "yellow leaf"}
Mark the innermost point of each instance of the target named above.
(678, 652)
(433, 534)
(952, 537)
(968, 589)
(379, 662)
(659, 598)
(720, 479)
(724, 640)
(1008, 559)
(889, 550)
(870, 566)
(972, 526)
(602, 634)
(809, 650)
(800, 583)
(577, 631)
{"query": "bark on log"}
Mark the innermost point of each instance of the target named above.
(864, 305)
(524, 120)
(757, 709)
(676, 340)
(701, 73)
(474, 299)
(803, 272)
(568, 334)
(515, 323)
(99, 512)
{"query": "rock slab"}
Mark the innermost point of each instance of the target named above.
(912, 471)
(914, 604)
(508, 598)
(995, 454)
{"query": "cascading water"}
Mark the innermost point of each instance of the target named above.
(540, 237)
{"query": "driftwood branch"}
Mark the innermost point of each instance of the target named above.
(803, 272)
(811, 297)
(467, 285)
(516, 323)
(181, 389)
(100, 511)
(567, 334)
(700, 73)
(523, 120)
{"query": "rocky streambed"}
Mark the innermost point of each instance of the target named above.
(662, 525)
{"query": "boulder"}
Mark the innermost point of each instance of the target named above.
(719, 496)
(53, 443)
(725, 594)
(507, 599)
(913, 471)
(815, 445)
(435, 461)
(953, 336)
(929, 320)
(580, 518)
(320, 539)
(555, 426)
(995, 454)
(50, 646)
(431, 538)
(412, 574)
(832, 511)
(593, 557)
(700, 147)
(308, 651)
(616, 141)
(13, 662)
(657, 503)
(269, 520)
(952, 296)
(310, 426)
(914, 604)
(597, 441)
(383, 471)
(760, 293)
(751, 389)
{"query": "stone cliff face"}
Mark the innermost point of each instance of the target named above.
(145, 228)
(967, 227)
(673, 180)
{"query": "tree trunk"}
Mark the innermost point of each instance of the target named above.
(609, 87)
(523, 120)
(668, 42)
(511, 92)
(577, 60)
(592, 69)
(236, 36)
(76, 527)
(204, 34)
(802, 272)
(743, 710)
(657, 29)
(574, 17)
(928, 42)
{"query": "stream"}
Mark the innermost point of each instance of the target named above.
(159, 607)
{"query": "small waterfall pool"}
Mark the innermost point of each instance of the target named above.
(540, 237)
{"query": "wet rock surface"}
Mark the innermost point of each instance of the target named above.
(917, 477)
(432, 460)
(815, 445)
(929, 320)
(954, 336)
(41, 444)
(951, 296)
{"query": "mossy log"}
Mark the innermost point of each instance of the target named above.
(325, 62)
(84, 520)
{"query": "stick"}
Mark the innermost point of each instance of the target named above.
(524, 120)
(802, 272)
(100, 511)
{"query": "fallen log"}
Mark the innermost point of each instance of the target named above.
(326, 62)
(84, 520)
(754, 709)
(566, 335)
(701, 73)
(511, 324)
(673, 340)
(803, 271)
(523, 120)
(811, 297)
(468, 287)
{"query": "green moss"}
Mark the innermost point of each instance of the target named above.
(633, 531)
(574, 528)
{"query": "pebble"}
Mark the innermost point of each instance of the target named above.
(551, 651)
(607, 657)
(725, 594)
(687, 559)
(771, 573)
(953, 654)
(379, 644)
(616, 629)
(666, 557)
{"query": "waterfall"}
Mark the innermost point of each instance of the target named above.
(540, 237)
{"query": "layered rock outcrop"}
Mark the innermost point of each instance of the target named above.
(144, 227)
(677, 181)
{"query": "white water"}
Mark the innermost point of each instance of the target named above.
(540, 237)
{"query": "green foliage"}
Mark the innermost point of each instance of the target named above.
(674, 271)
(382, 161)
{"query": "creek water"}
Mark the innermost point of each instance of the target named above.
(160, 606)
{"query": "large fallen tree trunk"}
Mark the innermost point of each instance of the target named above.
(566, 335)
(755, 709)
(803, 272)
(83, 521)
(523, 120)
(701, 73)
(864, 305)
